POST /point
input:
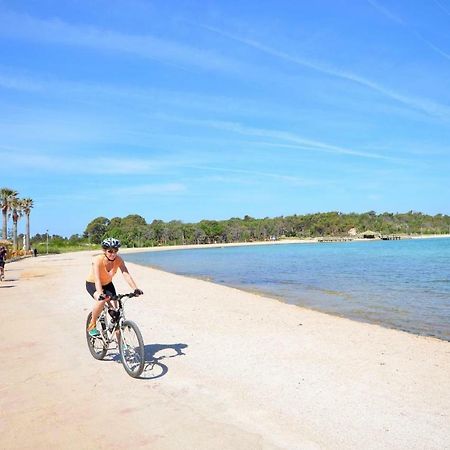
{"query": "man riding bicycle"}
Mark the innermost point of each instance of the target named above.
(99, 281)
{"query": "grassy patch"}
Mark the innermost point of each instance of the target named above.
(53, 249)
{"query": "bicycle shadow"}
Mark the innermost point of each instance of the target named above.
(153, 367)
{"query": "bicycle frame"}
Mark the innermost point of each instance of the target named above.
(107, 335)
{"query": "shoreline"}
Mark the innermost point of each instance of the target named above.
(226, 369)
(387, 323)
(279, 242)
(282, 300)
(260, 292)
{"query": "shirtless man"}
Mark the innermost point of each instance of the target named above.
(99, 281)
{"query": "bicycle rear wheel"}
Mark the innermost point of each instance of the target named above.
(131, 347)
(96, 345)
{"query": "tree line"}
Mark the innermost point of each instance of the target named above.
(13, 207)
(134, 231)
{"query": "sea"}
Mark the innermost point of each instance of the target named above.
(403, 284)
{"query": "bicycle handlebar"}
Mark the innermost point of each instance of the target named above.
(120, 296)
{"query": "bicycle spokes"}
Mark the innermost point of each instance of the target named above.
(97, 346)
(130, 343)
(131, 349)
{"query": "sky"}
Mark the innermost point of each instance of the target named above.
(190, 110)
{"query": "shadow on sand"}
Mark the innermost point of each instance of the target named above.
(154, 354)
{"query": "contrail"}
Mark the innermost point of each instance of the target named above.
(442, 7)
(425, 106)
(400, 21)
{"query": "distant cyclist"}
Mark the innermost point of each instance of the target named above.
(99, 281)
(2, 262)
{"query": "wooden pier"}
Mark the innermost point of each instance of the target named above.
(334, 239)
(384, 237)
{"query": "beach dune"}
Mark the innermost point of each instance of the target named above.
(225, 369)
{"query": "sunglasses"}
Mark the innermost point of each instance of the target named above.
(112, 250)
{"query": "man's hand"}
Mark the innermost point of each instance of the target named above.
(105, 296)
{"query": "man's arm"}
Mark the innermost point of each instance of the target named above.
(98, 283)
(126, 275)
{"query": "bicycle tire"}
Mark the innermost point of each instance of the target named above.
(131, 348)
(96, 345)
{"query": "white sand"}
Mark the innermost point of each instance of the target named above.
(234, 371)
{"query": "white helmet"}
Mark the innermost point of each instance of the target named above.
(110, 243)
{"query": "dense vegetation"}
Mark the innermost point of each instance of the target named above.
(134, 231)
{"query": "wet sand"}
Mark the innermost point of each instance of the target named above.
(225, 369)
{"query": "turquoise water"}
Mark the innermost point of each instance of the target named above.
(399, 284)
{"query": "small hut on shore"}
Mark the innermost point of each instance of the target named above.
(370, 234)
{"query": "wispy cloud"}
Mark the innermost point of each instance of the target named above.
(386, 12)
(142, 98)
(432, 46)
(279, 135)
(19, 83)
(125, 194)
(442, 7)
(139, 134)
(426, 106)
(125, 165)
(19, 159)
(148, 189)
(98, 165)
(115, 165)
(383, 10)
(261, 175)
(56, 31)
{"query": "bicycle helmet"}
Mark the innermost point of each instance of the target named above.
(110, 243)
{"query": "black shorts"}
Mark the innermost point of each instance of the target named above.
(2, 263)
(107, 288)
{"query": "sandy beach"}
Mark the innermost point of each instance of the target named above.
(226, 369)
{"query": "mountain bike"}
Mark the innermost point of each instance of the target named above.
(113, 326)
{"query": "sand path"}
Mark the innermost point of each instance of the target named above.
(232, 370)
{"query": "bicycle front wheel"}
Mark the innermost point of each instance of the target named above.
(131, 347)
(96, 345)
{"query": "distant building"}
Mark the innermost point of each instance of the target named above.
(370, 234)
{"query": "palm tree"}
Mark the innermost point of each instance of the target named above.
(27, 204)
(15, 207)
(6, 195)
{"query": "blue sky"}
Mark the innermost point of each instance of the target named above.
(197, 110)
